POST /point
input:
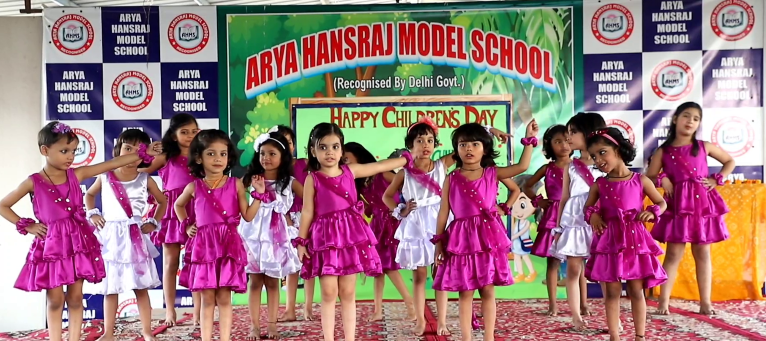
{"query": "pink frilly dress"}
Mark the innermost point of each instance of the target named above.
(475, 244)
(554, 181)
(383, 225)
(625, 250)
(299, 173)
(175, 175)
(694, 214)
(216, 256)
(70, 250)
(340, 242)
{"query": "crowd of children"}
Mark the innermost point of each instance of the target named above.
(292, 217)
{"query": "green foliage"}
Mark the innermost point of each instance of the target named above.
(300, 25)
(268, 112)
(250, 34)
(404, 72)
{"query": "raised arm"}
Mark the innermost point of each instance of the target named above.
(393, 188)
(87, 172)
(249, 211)
(363, 170)
(158, 162)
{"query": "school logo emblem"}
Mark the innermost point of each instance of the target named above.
(733, 134)
(188, 33)
(732, 20)
(72, 34)
(86, 148)
(127, 308)
(612, 24)
(672, 80)
(132, 91)
(624, 128)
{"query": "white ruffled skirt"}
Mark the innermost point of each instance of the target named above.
(414, 235)
(265, 256)
(577, 234)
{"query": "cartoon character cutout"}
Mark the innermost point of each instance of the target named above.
(521, 211)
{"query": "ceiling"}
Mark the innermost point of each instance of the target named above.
(12, 7)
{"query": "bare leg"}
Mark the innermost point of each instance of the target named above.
(223, 300)
(56, 299)
(292, 291)
(75, 308)
(637, 305)
(329, 288)
(254, 305)
(551, 278)
(704, 265)
(197, 301)
(441, 313)
(584, 307)
(308, 290)
(419, 277)
(272, 304)
(489, 311)
(171, 254)
(612, 299)
(398, 282)
(207, 314)
(465, 314)
(574, 269)
(673, 256)
(110, 317)
(144, 313)
(347, 293)
(377, 313)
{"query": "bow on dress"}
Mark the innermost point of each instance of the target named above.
(699, 204)
(276, 224)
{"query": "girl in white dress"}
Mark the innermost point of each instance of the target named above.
(420, 185)
(127, 250)
(573, 235)
(271, 255)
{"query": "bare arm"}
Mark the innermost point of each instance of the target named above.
(248, 211)
(158, 162)
(513, 191)
(655, 166)
(159, 198)
(183, 200)
(592, 197)
(393, 188)
(444, 209)
(26, 187)
(503, 137)
(652, 193)
(564, 196)
(528, 187)
(297, 189)
(307, 213)
(389, 176)
(87, 172)
(721, 156)
(369, 169)
(90, 196)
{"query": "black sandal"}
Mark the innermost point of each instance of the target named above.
(641, 336)
(268, 336)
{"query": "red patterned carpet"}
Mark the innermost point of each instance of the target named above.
(517, 320)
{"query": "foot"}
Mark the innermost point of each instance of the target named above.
(149, 337)
(707, 309)
(170, 317)
(106, 338)
(578, 324)
(308, 314)
(442, 330)
(420, 328)
(271, 332)
(519, 278)
(376, 316)
(531, 277)
(561, 283)
(255, 333)
(662, 310)
(288, 316)
(585, 310)
(552, 311)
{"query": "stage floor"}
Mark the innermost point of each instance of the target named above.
(517, 320)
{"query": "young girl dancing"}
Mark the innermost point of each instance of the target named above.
(215, 261)
(473, 252)
(695, 209)
(335, 242)
(622, 248)
(268, 236)
(174, 173)
(383, 225)
(127, 251)
(65, 251)
(420, 185)
(556, 148)
(299, 173)
(573, 234)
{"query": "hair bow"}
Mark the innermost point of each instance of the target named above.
(274, 129)
(61, 128)
(423, 119)
(260, 140)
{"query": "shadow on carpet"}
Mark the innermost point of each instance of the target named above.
(516, 320)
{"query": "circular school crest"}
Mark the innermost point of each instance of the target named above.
(72, 34)
(672, 80)
(732, 20)
(86, 148)
(612, 24)
(127, 308)
(733, 134)
(188, 33)
(132, 91)
(624, 128)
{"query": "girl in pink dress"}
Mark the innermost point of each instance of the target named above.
(622, 248)
(556, 148)
(383, 225)
(335, 242)
(174, 173)
(300, 172)
(65, 251)
(695, 209)
(473, 252)
(214, 264)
